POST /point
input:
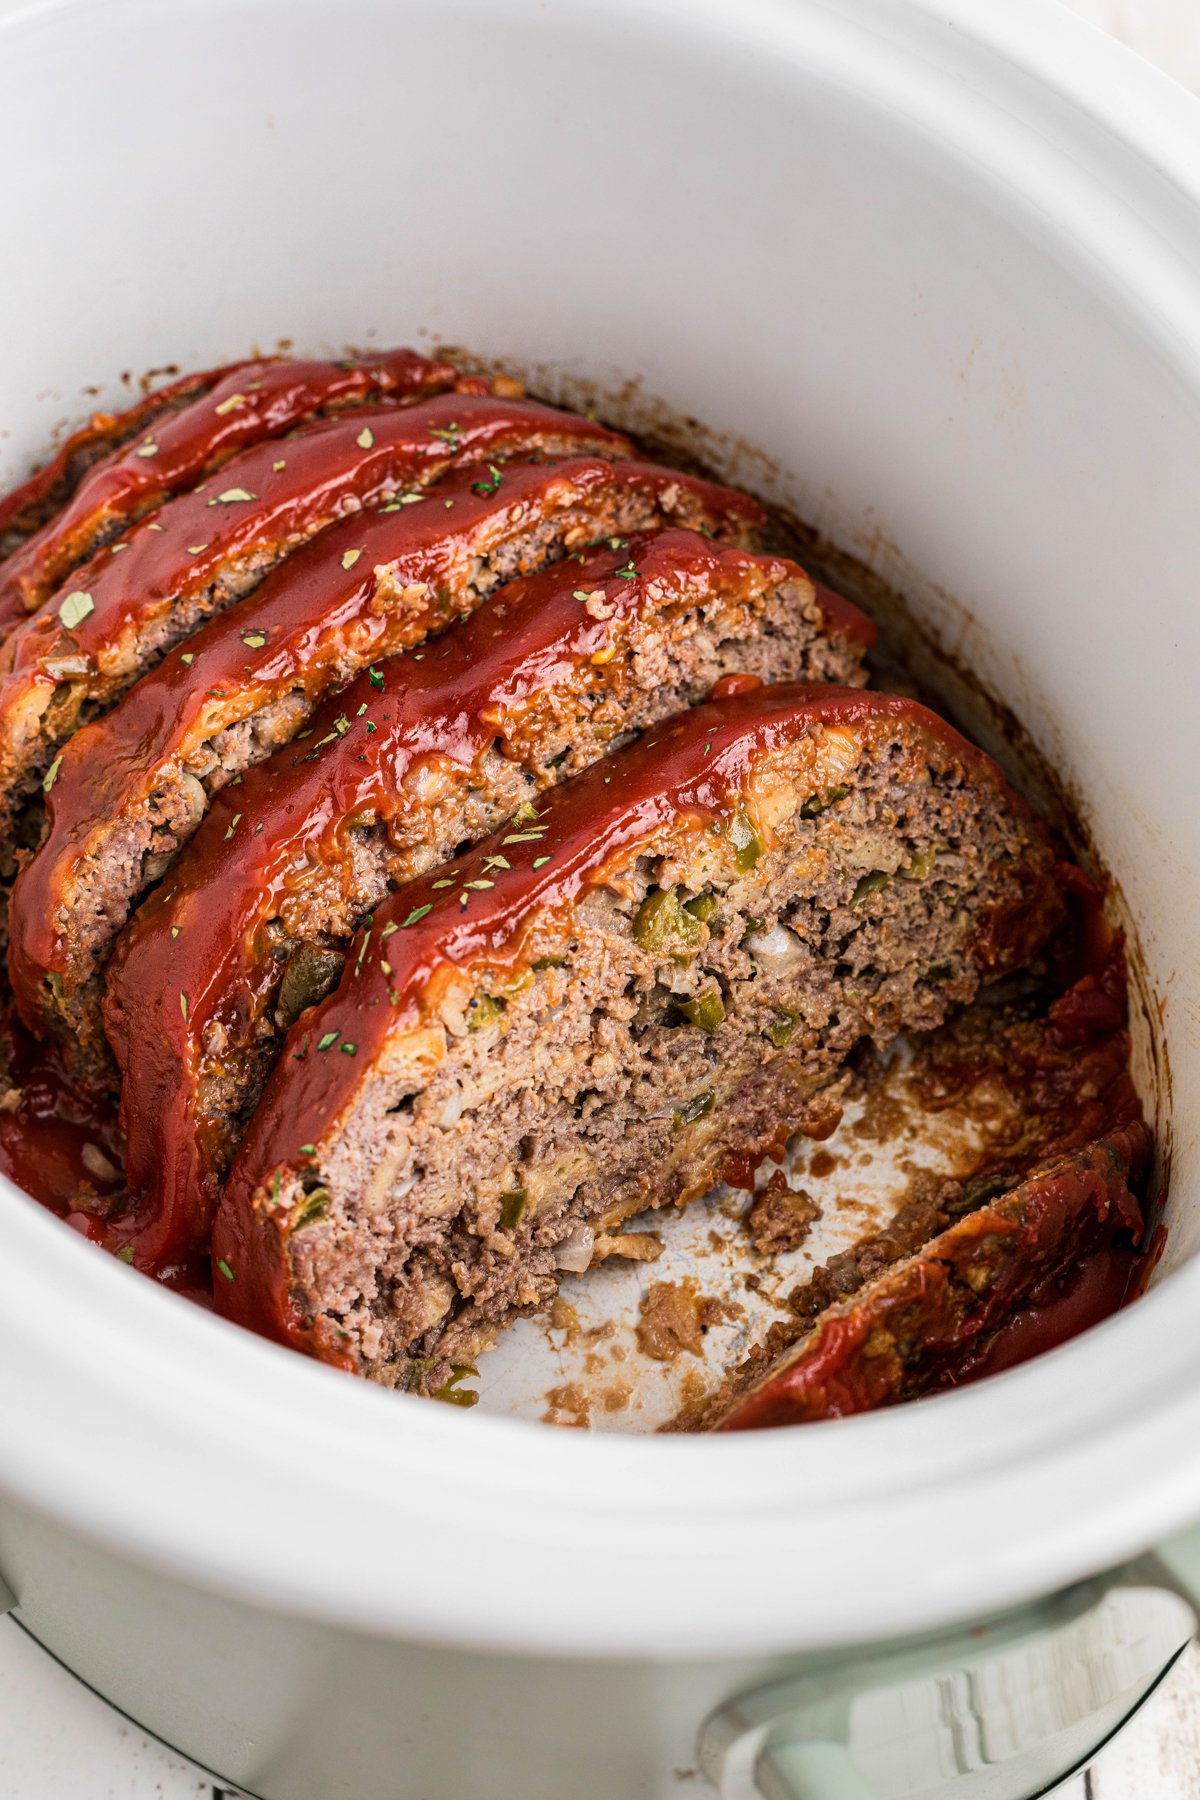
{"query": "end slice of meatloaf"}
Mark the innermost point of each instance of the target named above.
(647, 974)
(27, 508)
(255, 402)
(418, 756)
(130, 788)
(126, 607)
(905, 1332)
(1050, 1071)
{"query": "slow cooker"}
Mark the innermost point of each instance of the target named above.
(927, 274)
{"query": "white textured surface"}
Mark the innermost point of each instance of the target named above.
(59, 1742)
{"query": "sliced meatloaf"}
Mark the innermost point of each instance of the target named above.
(648, 972)
(416, 757)
(254, 402)
(905, 1332)
(27, 508)
(83, 648)
(128, 789)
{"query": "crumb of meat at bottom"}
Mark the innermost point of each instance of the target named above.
(563, 1317)
(781, 1217)
(673, 1317)
(823, 1114)
(635, 1246)
(568, 1405)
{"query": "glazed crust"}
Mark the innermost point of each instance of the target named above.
(199, 553)
(250, 403)
(27, 508)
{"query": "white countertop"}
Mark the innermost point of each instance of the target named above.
(58, 1741)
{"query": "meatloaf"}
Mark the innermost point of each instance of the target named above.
(904, 1332)
(418, 756)
(128, 789)
(253, 402)
(592, 1012)
(198, 553)
(27, 508)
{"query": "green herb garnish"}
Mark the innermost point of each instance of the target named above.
(75, 607)
(487, 487)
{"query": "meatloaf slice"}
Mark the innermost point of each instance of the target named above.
(1048, 1068)
(904, 1333)
(27, 508)
(132, 786)
(643, 976)
(257, 401)
(82, 649)
(415, 757)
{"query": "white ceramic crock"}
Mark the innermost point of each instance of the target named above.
(938, 262)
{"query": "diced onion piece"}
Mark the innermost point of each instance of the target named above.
(194, 790)
(97, 1164)
(779, 948)
(575, 1252)
(451, 1112)
(840, 750)
(63, 668)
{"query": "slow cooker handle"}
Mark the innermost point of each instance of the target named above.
(997, 1711)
